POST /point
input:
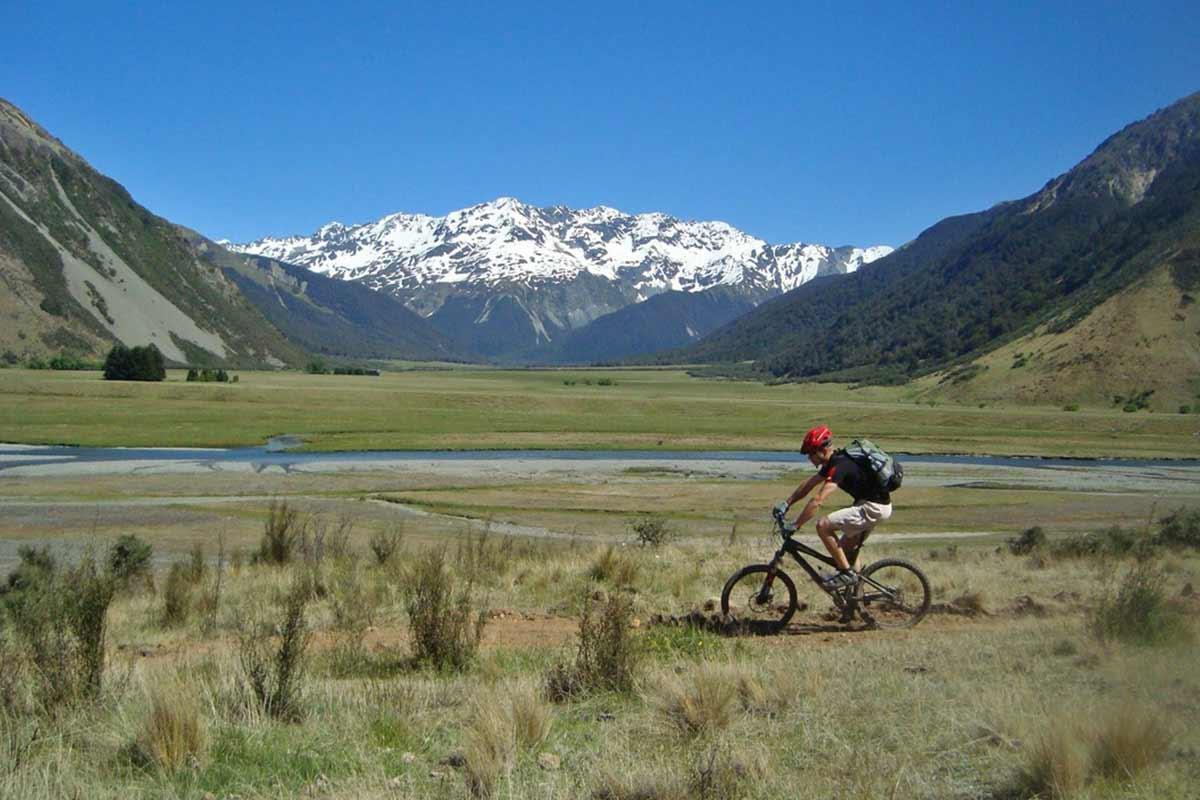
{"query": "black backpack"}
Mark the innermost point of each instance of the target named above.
(886, 469)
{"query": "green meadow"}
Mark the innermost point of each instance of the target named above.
(472, 408)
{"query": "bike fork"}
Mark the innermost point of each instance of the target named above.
(764, 594)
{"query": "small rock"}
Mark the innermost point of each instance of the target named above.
(606, 716)
(408, 758)
(436, 774)
(712, 604)
(455, 759)
(916, 669)
(549, 761)
(635, 623)
(396, 783)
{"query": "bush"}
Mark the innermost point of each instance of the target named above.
(281, 534)
(651, 530)
(134, 364)
(275, 679)
(1180, 528)
(1030, 539)
(445, 630)
(607, 656)
(177, 596)
(384, 544)
(129, 560)
(1138, 611)
(59, 622)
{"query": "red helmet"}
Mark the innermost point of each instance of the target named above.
(816, 439)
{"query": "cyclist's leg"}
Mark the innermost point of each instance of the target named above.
(852, 540)
(851, 522)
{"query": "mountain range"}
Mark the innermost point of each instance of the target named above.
(1084, 290)
(511, 281)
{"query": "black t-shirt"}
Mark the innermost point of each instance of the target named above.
(853, 479)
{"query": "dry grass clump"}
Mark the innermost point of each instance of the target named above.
(1118, 745)
(724, 771)
(702, 701)
(767, 694)
(173, 734)
(615, 568)
(1056, 764)
(1129, 740)
(608, 654)
(497, 731)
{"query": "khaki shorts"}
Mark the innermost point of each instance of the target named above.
(858, 520)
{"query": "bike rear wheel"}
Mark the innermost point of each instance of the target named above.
(743, 601)
(901, 598)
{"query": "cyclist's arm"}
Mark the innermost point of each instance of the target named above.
(803, 489)
(814, 505)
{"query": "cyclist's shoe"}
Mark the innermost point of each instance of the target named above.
(843, 579)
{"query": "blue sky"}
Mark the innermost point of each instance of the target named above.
(840, 123)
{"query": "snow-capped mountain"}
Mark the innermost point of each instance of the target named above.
(501, 269)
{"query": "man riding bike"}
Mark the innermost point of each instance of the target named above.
(837, 470)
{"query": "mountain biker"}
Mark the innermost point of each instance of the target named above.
(837, 470)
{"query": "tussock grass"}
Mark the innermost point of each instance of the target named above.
(614, 567)
(497, 730)
(700, 701)
(174, 734)
(1127, 740)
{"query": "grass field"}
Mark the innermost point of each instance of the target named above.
(557, 409)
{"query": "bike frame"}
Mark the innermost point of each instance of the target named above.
(797, 550)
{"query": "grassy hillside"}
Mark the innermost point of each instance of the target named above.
(1142, 342)
(972, 284)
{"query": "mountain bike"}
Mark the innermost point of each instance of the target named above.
(890, 593)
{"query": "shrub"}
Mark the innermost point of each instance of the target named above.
(1138, 611)
(384, 544)
(173, 734)
(607, 656)
(59, 623)
(1185, 409)
(129, 559)
(445, 630)
(275, 679)
(36, 566)
(651, 530)
(134, 364)
(281, 534)
(615, 568)
(177, 596)
(1030, 539)
(1180, 528)
(317, 538)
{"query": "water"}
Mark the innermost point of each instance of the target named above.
(276, 453)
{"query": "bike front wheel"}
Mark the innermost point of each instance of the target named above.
(746, 599)
(894, 594)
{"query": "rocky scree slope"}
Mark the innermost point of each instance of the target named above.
(83, 265)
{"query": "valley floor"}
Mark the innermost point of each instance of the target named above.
(1004, 682)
